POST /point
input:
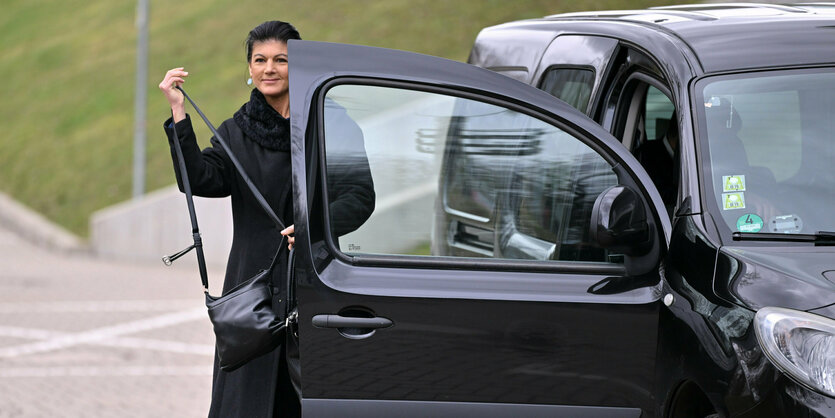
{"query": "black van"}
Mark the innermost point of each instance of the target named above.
(657, 242)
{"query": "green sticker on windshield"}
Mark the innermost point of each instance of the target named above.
(749, 223)
(733, 183)
(733, 201)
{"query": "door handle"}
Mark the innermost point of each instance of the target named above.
(339, 321)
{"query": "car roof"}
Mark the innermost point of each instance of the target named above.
(725, 36)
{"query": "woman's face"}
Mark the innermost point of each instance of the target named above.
(268, 68)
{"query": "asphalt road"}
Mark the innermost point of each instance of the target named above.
(85, 337)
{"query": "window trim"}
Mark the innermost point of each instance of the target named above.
(437, 262)
(619, 70)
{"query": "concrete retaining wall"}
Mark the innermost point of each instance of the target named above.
(33, 227)
(158, 224)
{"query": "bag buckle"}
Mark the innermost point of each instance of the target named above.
(169, 259)
(291, 318)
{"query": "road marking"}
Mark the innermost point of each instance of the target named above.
(103, 334)
(127, 342)
(160, 345)
(29, 333)
(99, 306)
(94, 371)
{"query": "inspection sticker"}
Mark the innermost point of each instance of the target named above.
(749, 223)
(733, 183)
(786, 224)
(733, 201)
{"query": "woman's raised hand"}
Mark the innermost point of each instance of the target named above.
(174, 78)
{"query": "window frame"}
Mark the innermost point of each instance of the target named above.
(621, 106)
(441, 262)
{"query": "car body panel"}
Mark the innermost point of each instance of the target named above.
(474, 337)
(405, 409)
(588, 337)
(679, 66)
(789, 277)
(728, 46)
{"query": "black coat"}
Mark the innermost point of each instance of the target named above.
(250, 391)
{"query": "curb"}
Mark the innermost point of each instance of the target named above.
(36, 229)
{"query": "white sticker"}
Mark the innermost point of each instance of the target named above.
(786, 224)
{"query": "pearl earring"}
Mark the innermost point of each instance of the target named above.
(249, 81)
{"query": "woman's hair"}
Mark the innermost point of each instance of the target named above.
(274, 30)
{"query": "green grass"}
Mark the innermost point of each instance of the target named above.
(67, 72)
(422, 249)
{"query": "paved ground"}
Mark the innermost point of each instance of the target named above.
(84, 337)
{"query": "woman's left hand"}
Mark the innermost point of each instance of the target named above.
(288, 232)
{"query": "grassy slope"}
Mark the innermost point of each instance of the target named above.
(67, 72)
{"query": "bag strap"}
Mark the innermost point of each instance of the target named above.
(258, 196)
(195, 230)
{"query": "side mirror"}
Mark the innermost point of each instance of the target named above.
(619, 222)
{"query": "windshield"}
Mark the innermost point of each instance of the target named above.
(769, 165)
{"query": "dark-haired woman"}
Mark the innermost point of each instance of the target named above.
(259, 136)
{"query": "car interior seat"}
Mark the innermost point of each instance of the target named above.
(728, 156)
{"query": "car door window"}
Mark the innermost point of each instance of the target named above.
(456, 177)
(658, 111)
(648, 127)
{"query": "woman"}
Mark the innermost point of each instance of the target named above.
(259, 136)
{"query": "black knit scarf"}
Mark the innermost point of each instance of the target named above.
(262, 124)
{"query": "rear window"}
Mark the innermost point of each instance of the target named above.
(571, 85)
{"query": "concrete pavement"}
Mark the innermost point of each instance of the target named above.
(86, 337)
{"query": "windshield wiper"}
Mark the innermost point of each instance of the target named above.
(819, 238)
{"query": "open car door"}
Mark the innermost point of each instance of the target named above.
(447, 260)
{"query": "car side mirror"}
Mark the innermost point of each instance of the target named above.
(619, 222)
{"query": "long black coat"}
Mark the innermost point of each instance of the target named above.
(250, 391)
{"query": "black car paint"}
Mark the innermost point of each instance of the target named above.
(790, 277)
(703, 336)
(679, 66)
(436, 310)
(748, 277)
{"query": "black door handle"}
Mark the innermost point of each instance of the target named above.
(339, 321)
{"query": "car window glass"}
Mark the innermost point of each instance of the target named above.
(571, 85)
(649, 128)
(658, 110)
(771, 150)
(457, 177)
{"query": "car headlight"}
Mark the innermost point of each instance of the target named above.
(800, 344)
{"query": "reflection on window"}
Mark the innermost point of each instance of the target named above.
(571, 85)
(771, 150)
(460, 178)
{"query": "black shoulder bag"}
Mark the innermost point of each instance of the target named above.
(244, 322)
